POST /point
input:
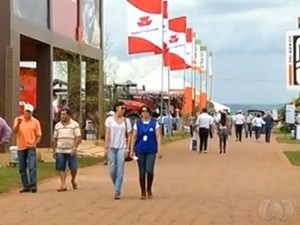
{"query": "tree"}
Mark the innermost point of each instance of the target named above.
(85, 89)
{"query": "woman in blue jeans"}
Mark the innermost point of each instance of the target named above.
(146, 141)
(117, 143)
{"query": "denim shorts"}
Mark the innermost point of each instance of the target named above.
(63, 158)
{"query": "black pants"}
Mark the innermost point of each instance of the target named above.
(268, 134)
(191, 130)
(238, 132)
(257, 131)
(203, 134)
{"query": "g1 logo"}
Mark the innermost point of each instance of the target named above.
(275, 210)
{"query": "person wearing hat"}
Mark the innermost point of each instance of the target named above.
(28, 134)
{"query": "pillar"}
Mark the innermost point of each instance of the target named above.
(4, 42)
(74, 86)
(44, 92)
(92, 92)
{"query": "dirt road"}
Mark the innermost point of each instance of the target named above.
(190, 189)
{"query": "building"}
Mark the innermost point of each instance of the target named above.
(44, 31)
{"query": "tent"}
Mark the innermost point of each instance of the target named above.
(220, 107)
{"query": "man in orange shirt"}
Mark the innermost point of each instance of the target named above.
(28, 133)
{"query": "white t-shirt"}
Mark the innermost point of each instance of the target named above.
(258, 122)
(117, 132)
(146, 122)
(204, 120)
(239, 119)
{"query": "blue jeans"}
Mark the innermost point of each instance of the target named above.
(116, 162)
(146, 163)
(63, 158)
(27, 159)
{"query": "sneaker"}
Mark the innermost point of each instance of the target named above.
(117, 196)
(24, 190)
(33, 190)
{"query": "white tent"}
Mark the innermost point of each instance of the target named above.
(220, 107)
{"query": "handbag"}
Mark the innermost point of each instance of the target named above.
(127, 154)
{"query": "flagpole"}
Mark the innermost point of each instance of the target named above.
(210, 75)
(169, 103)
(162, 65)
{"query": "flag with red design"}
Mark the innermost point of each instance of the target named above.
(144, 29)
(174, 57)
(189, 48)
(165, 28)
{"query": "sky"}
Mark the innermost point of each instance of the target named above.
(247, 39)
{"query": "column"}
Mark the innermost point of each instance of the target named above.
(92, 93)
(4, 42)
(74, 86)
(44, 92)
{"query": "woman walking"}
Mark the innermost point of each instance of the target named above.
(117, 143)
(223, 132)
(258, 122)
(146, 140)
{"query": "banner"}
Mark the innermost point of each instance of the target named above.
(176, 41)
(144, 26)
(165, 30)
(34, 11)
(210, 72)
(189, 48)
(28, 86)
(67, 11)
(203, 59)
(197, 55)
(90, 17)
(293, 59)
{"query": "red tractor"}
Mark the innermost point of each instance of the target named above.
(128, 93)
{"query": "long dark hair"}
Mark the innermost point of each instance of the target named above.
(223, 119)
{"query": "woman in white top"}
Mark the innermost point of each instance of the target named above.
(117, 143)
(257, 123)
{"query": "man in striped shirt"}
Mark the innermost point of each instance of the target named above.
(66, 138)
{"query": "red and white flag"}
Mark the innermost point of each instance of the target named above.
(144, 26)
(175, 57)
(165, 28)
(189, 48)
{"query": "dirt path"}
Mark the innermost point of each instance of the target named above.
(190, 189)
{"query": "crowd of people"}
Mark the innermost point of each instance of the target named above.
(124, 141)
(205, 125)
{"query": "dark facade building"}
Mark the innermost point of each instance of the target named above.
(44, 31)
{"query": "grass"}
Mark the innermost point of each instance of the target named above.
(176, 137)
(10, 179)
(286, 139)
(294, 157)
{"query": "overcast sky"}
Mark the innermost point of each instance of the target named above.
(246, 37)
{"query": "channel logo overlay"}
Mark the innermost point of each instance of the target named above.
(281, 210)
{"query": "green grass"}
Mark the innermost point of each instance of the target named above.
(10, 179)
(287, 139)
(176, 137)
(294, 157)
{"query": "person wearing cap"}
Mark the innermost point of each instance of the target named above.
(28, 134)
